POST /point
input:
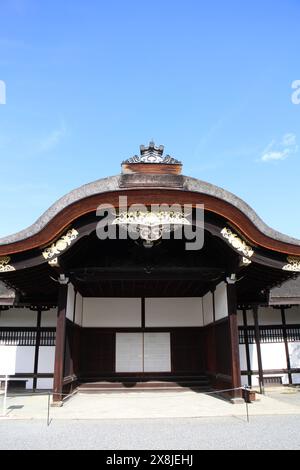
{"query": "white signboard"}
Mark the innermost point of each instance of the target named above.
(8, 355)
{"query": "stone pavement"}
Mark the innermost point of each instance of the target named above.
(147, 405)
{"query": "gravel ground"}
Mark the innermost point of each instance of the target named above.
(263, 432)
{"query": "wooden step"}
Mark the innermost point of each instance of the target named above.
(131, 384)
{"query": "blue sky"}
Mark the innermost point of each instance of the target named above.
(88, 81)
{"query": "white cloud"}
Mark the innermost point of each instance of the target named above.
(269, 156)
(276, 151)
(289, 140)
(52, 139)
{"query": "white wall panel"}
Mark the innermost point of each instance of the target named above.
(18, 317)
(45, 384)
(208, 313)
(296, 378)
(243, 358)
(240, 318)
(244, 380)
(111, 312)
(70, 302)
(172, 312)
(269, 316)
(221, 301)
(292, 315)
(273, 356)
(253, 356)
(46, 359)
(157, 352)
(294, 352)
(129, 352)
(78, 309)
(25, 359)
(49, 318)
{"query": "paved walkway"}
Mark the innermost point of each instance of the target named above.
(263, 432)
(149, 405)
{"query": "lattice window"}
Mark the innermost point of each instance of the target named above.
(293, 333)
(26, 337)
(270, 334)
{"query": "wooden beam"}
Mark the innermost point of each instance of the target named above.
(259, 358)
(245, 322)
(234, 339)
(286, 344)
(60, 344)
(147, 197)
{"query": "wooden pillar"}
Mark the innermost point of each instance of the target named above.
(286, 345)
(37, 348)
(60, 343)
(259, 359)
(234, 339)
(249, 371)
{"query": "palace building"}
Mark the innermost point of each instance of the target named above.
(150, 278)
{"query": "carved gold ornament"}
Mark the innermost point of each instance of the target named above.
(293, 264)
(237, 242)
(60, 245)
(151, 225)
(4, 264)
(246, 261)
(151, 219)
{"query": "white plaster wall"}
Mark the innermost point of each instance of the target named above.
(208, 314)
(243, 358)
(45, 384)
(111, 312)
(25, 359)
(173, 312)
(240, 318)
(244, 380)
(296, 378)
(78, 309)
(269, 316)
(253, 356)
(49, 318)
(292, 315)
(70, 302)
(18, 317)
(273, 356)
(46, 359)
(294, 352)
(221, 301)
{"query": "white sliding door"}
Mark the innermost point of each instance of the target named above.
(129, 352)
(143, 352)
(157, 352)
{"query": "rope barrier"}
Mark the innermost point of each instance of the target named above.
(70, 395)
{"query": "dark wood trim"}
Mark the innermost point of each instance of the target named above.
(60, 343)
(30, 375)
(286, 344)
(37, 347)
(150, 196)
(234, 338)
(272, 371)
(259, 358)
(248, 359)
